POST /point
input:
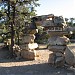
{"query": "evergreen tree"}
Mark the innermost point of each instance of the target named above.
(15, 13)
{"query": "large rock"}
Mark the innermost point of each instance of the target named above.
(70, 55)
(57, 40)
(57, 48)
(30, 55)
(62, 40)
(57, 59)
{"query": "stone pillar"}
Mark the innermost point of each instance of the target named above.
(28, 45)
(57, 44)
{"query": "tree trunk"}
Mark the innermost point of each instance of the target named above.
(10, 23)
(12, 30)
(18, 37)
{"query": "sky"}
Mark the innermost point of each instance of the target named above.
(65, 8)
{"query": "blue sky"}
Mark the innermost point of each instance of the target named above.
(65, 8)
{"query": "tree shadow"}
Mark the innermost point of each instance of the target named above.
(5, 56)
(13, 60)
(35, 69)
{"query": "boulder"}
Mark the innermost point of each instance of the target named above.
(57, 40)
(30, 55)
(62, 40)
(57, 48)
(56, 59)
(70, 55)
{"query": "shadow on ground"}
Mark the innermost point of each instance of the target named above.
(24, 67)
(35, 69)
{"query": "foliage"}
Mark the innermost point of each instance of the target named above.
(24, 10)
(14, 14)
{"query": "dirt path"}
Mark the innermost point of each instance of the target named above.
(32, 68)
(35, 67)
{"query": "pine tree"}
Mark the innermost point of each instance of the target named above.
(17, 11)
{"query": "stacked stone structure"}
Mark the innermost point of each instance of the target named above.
(56, 28)
(28, 47)
(57, 42)
(61, 53)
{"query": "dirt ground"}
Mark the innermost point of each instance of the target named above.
(39, 66)
(32, 68)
